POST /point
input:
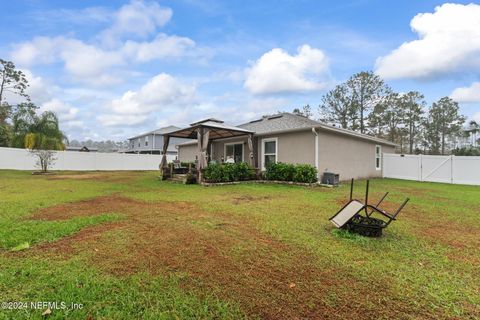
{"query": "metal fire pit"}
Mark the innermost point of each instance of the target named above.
(365, 226)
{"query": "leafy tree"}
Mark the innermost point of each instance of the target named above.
(368, 90)
(443, 121)
(45, 134)
(337, 107)
(43, 138)
(467, 151)
(306, 111)
(102, 146)
(12, 81)
(411, 105)
(473, 130)
(24, 117)
(350, 103)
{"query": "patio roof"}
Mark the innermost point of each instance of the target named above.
(218, 130)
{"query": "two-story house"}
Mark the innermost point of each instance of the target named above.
(152, 142)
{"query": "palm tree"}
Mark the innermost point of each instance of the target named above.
(43, 137)
(45, 134)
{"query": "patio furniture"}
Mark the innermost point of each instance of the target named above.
(349, 217)
(178, 168)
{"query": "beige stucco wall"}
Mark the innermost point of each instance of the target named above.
(187, 153)
(293, 147)
(348, 156)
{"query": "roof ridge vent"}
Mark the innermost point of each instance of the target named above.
(275, 116)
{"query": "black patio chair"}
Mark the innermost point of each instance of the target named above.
(349, 217)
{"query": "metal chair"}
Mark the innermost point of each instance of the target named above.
(349, 217)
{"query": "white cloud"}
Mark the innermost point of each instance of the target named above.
(160, 91)
(117, 120)
(467, 94)
(138, 18)
(161, 47)
(102, 63)
(83, 61)
(449, 41)
(276, 71)
(39, 89)
(64, 111)
(94, 65)
(160, 94)
(41, 50)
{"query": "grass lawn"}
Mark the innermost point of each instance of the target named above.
(127, 246)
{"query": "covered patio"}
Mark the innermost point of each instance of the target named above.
(205, 132)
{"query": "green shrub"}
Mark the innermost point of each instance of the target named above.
(242, 171)
(280, 171)
(228, 172)
(185, 164)
(305, 173)
(290, 172)
(190, 179)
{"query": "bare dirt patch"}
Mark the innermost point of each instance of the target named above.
(91, 207)
(248, 198)
(97, 176)
(221, 253)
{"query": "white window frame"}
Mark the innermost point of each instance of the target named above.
(139, 143)
(263, 150)
(378, 155)
(146, 141)
(233, 143)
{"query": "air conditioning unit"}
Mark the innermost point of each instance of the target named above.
(331, 178)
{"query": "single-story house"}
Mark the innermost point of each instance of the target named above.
(81, 149)
(292, 138)
(152, 142)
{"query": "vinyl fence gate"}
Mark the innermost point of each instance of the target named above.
(447, 169)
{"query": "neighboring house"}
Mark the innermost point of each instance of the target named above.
(152, 142)
(81, 149)
(291, 138)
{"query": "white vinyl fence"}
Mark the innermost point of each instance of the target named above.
(448, 169)
(21, 159)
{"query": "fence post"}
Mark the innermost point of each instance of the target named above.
(420, 163)
(451, 168)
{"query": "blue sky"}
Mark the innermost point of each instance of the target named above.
(112, 69)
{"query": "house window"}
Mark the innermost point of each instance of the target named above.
(139, 142)
(146, 141)
(269, 152)
(234, 152)
(378, 157)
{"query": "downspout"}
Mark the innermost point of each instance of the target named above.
(316, 152)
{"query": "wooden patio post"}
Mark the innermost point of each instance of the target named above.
(163, 163)
(199, 154)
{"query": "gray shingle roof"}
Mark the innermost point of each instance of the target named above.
(158, 131)
(279, 122)
(286, 121)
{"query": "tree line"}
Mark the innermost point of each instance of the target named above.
(20, 124)
(366, 104)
